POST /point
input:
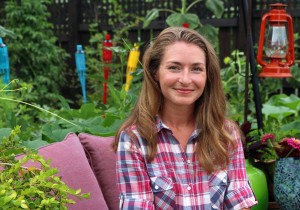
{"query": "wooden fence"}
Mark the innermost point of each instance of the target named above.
(71, 19)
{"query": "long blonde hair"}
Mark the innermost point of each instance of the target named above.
(213, 140)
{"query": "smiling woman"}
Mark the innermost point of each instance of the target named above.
(181, 76)
(177, 150)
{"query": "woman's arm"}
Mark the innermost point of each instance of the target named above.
(132, 177)
(239, 194)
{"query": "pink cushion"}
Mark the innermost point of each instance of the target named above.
(69, 158)
(103, 162)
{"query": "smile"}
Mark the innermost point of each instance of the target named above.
(181, 90)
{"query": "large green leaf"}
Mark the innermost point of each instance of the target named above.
(177, 19)
(293, 128)
(216, 7)
(277, 112)
(35, 144)
(151, 15)
(292, 101)
(210, 32)
(4, 132)
(54, 132)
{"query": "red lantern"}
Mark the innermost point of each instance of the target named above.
(278, 45)
(107, 58)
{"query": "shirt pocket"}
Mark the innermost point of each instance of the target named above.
(217, 189)
(163, 192)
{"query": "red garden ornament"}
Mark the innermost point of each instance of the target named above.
(107, 58)
(277, 43)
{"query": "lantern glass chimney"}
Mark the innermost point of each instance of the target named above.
(276, 41)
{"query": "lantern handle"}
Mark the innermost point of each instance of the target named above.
(261, 40)
(290, 56)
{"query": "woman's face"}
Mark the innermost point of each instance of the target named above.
(182, 74)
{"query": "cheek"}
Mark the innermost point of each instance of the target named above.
(200, 81)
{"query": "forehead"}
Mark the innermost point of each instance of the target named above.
(183, 50)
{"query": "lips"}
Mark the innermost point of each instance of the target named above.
(183, 90)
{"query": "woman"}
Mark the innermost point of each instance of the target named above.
(177, 150)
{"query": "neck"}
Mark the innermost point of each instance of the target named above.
(178, 117)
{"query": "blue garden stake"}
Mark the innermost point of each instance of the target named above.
(4, 63)
(81, 69)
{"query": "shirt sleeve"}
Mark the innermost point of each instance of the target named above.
(239, 194)
(132, 178)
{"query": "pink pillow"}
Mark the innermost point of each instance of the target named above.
(69, 158)
(103, 162)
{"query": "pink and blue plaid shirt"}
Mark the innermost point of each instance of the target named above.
(175, 180)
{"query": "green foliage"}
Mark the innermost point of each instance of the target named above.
(294, 82)
(233, 79)
(34, 56)
(52, 125)
(182, 16)
(30, 187)
(283, 109)
(4, 32)
(279, 110)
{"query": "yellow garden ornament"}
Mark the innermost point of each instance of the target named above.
(132, 64)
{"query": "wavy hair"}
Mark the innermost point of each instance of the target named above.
(214, 139)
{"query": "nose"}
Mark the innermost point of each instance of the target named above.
(185, 77)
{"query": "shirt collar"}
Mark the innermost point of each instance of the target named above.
(160, 125)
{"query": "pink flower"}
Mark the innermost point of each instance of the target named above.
(291, 147)
(295, 143)
(267, 136)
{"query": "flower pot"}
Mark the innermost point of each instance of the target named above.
(287, 183)
(259, 185)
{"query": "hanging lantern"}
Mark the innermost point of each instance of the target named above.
(276, 43)
(106, 58)
(132, 64)
(81, 69)
(4, 63)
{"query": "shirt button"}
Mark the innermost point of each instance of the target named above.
(188, 188)
(156, 187)
(188, 161)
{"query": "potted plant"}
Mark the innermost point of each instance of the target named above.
(278, 153)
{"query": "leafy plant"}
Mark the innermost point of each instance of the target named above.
(268, 144)
(233, 79)
(52, 125)
(34, 56)
(282, 108)
(5, 32)
(30, 187)
(182, 17)
(178, 18)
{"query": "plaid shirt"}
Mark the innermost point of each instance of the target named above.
(175, 180)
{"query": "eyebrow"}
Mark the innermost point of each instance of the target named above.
(178, 63)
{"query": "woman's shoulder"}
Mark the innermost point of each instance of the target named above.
(231, 126)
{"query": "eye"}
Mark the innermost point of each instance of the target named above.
(174, 68)
(197, 69)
